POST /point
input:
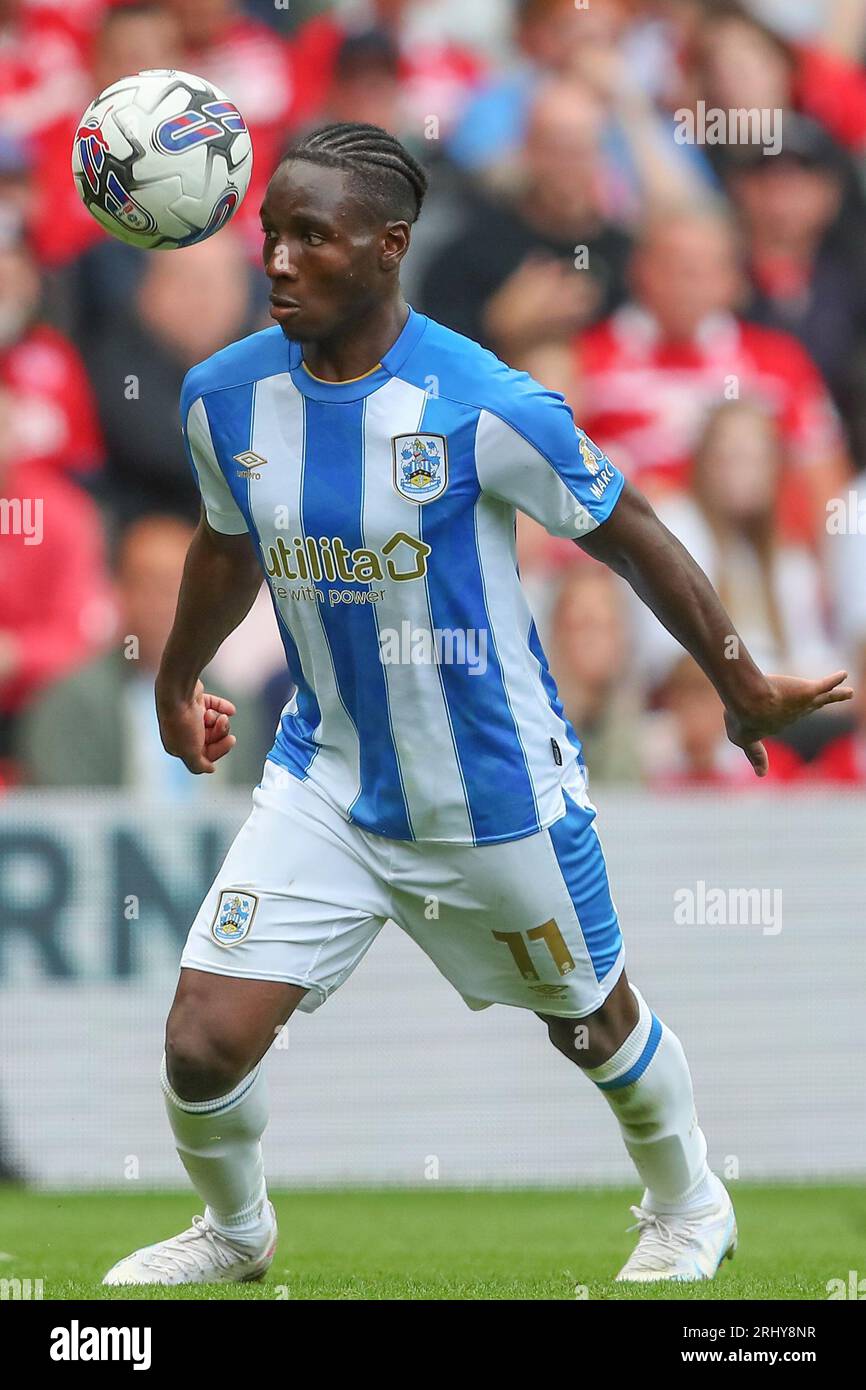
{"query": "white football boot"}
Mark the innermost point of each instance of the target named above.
(682, 1248)
(198, 1256)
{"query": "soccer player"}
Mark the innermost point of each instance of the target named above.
(370, 463)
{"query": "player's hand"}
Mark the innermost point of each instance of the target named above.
(197, 731)
(787, 698)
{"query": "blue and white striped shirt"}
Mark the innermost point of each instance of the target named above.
(383, 511)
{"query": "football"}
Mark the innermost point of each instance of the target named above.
(162, 159)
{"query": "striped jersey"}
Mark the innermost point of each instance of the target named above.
(383, 514)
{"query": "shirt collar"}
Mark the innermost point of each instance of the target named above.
(316, 389)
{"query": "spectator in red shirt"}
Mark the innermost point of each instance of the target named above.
(129, 37)
(436, 76)
(42, 70)
(648, 376)
(366, 84)
(255, 69)
(55, 605)
(43, 90)
(843, 759)
(59, 425)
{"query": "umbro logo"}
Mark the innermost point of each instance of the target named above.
(249, 464)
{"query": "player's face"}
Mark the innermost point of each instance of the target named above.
(326, 259)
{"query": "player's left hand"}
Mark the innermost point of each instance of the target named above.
(787, 699)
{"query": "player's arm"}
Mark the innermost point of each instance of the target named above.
(634, 543)
(220, 581)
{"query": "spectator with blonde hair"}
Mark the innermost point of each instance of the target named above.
(773, 589)
(589, 661)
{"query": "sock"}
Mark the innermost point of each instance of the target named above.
(647, 1085)
(218, 1142)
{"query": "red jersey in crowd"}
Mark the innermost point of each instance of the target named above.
(436, 77)
(645, 400)
(832, 90)
(55, 598)
(256, 70)
(57, 422)
(842, 760)
(732, 771)
(44, 87)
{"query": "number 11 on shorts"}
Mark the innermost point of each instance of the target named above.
(553, 939)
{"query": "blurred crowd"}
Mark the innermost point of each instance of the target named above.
(699, 301)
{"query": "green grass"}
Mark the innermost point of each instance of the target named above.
(440, 1244)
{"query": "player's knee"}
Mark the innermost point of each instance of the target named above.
(590, 1041)
(200, 1064)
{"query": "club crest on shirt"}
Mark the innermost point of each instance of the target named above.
(420, 466)
(233, 917)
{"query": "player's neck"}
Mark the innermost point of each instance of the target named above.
(358, 349)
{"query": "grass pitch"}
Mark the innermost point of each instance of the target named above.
(439, 1244)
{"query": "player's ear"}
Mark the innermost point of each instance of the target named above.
(395, 244)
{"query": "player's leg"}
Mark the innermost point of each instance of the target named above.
(638, 1064)
(218, 1031)
(685, 1219)
(533, 925)
(291, 913)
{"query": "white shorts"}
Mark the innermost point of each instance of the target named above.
(302, 895)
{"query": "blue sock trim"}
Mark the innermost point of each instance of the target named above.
(636, 1072)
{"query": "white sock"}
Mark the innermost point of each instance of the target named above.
(648, 1086)
(218, 1142)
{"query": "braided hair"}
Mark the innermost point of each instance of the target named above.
(388, 180)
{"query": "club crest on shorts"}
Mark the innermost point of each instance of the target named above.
(233, 917)
(420, 466)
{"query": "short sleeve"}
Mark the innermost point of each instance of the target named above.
(544, 465)
(221, 509)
